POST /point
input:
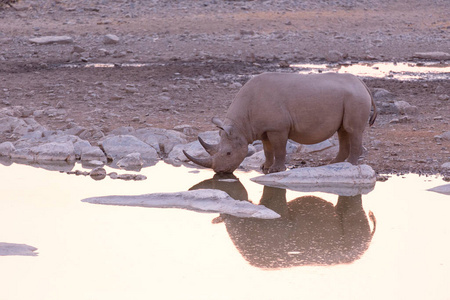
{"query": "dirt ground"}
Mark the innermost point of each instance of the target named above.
(198, 53)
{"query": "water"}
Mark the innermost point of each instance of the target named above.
(400, 71)
(89, 251)
(390, 70)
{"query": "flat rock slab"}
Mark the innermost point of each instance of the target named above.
(443, 189)
(207, 200)
(17, 249)
(44, 40)
(343, 179)
(433, 55)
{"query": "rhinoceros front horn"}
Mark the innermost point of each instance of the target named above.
(204, 162)
(211, 149)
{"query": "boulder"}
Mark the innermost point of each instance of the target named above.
(205, 200)
(6, 149)
(54, 152)
(132, 161)
(117, 147)
(93, 153)
(162, 140)
(17, 249)
(342, 179)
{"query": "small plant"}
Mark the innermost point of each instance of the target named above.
(8, 2)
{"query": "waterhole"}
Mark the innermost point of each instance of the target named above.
(395, 237)
(389, 70)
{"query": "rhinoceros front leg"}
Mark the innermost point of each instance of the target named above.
(274, 144)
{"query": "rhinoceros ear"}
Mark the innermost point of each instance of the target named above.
(218, 122)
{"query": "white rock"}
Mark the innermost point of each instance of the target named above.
(343, 179)
(207, 200)
(443, 189)
(117, 147)
(93, 154)
(52, 40)
(17, 249)
(54, 152)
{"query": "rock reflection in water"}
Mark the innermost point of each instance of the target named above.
(311, 230)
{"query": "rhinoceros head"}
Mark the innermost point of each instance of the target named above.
(226, 156)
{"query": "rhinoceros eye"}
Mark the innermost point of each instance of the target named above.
(228, 153)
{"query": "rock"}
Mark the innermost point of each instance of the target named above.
(432, 55)
(205, 200)
(317, 147)
(6, 149)
(253, 162)
(93, 154)
(380, 94)
(446, 136)
(404, 108)
(124, 130)
(81, 146)
(162, 140)
(13, 125)
(98, 173)
(111, 39)
(54, 152)
(445, 166)
(132, 161)
(186, 129)
(342, 179)
(117, 147)
(17, 249)
(444, 97)
(52, 40)
(334, 56)
(443, 189)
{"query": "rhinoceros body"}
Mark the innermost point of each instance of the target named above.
(275, 107)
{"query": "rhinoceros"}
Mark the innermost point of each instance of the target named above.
(275, 107)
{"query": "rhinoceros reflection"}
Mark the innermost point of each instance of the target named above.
(311, 231)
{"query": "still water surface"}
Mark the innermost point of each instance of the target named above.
(89, 251)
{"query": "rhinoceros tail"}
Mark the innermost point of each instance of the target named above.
(374, 115)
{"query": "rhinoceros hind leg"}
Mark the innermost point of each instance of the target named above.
(344, 146)
(355, 147)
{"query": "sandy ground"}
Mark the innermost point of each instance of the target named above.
(198, 54)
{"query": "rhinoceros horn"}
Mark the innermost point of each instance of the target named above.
(211, 149)
(204, 162)
(227, 128)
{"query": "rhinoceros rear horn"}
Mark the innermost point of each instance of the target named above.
(227, 128)
(204, 162)
(211, 149)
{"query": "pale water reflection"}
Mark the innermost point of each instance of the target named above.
(91, 251)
